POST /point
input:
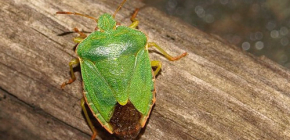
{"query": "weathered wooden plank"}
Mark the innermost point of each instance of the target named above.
(216, 92)
(20, 121)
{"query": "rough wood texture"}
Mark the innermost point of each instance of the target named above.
(216, 92)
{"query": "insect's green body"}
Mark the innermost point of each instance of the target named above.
(117, 76)
(115, 69)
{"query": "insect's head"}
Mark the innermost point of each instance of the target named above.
(106, 22)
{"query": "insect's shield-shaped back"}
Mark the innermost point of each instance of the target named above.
(106, 22)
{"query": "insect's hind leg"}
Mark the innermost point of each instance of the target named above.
(134, 20)
(169, 57)
(73, 77)
(158, 66)
(88, 119)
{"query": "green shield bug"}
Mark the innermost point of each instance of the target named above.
(118, 80)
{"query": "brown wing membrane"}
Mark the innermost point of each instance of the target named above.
(126, 121)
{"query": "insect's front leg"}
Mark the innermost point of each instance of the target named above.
(158, 66)
(169, 57)
(134, 20)
(73, 77)
(81, 36)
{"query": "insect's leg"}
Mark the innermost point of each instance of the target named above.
(158, 66)
(169, 57)
(88, 119)
(81, 36)
(135, 22)
(73, 77)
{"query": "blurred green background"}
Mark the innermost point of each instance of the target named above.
(260, 27)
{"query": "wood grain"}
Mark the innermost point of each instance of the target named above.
(216, 92)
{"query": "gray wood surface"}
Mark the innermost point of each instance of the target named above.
(216, 92)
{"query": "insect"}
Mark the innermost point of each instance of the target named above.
(118, 79)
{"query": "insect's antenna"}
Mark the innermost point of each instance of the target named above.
(73, 13)
(119, 8)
